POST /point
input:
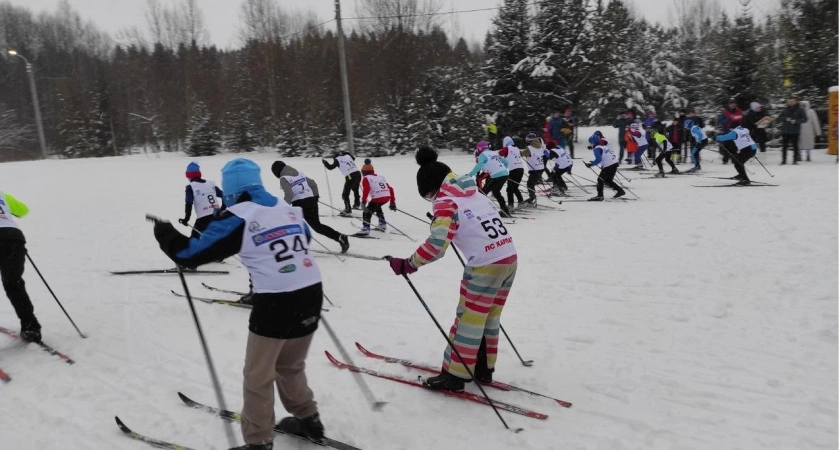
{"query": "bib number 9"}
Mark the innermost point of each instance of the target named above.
(494, 228)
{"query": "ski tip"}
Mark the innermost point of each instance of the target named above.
(359, 346)
(377, 406)
(518, 430)
(122, 426)
(528, 363)
(564, 403)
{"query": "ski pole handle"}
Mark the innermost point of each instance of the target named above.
(152, 218)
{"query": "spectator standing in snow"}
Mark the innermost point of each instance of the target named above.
(809, 130)
(733, 114)
(675, 133)
(567, 131)
(756, 120)
(622, 122)
(492, 133)
(554, 126)
(791, 119)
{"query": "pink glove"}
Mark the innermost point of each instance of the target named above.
(401, 266)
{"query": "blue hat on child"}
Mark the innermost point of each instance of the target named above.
(237, 176)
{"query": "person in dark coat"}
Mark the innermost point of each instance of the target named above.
(791, 119)
(621, 123)
(756, 120)
(675, 133)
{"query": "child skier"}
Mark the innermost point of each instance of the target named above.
(516, 169)
(272, 241)
(489, 162)
(562, 165)
(741, 139)
(472, 223)
(302, 191)
(668, 150)
(346, 164)
(700, 141)
(380, 193)
(12, 260)
(535, 160)
(642, 144)
(202, 195)
(605, 157)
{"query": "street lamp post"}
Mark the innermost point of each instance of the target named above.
(39, 125)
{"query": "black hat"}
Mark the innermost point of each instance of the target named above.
(431, 173)
(277, 167)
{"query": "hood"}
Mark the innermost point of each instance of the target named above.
(542, 145)
(289, 171)
(507, 141)
(805, 104)
(457, 186)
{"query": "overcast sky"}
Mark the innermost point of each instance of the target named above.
(222, 16)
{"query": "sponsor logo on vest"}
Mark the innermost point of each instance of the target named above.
(307, 262)
(276, 233)
(498, 244)
(292, 217)
(254, 226)
(288, 268)
(469, 214)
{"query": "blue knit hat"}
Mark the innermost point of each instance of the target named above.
(193, 171)
(237, 176)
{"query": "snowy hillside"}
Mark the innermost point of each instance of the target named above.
(694, 318)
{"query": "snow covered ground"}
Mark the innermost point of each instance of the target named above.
(693, 318)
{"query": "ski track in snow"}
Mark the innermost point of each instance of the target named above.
(692, 319)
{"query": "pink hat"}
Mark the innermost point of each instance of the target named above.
(481, 146)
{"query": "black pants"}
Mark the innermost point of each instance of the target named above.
(740, 159)
(12, 259)
(534, 177)
(790, 139)
(571, 144)
(557, 177)
(200, 225)
(665, 156)
(514, 181)
(606, 177)
(310, 214)
(728, 151)
(494, 186)
(371, 209)
(351, 183)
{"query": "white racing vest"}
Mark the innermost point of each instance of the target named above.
(535, 161)
(744, 139)
(346, 165)
(300, 188)
(667, 146)
(481, 236)
(378, 187)
(514, 158)
(494, 163)
(204, 198)
(563, 159)
(275, 249)
(6, 220)
(641, 140)
(608, 157)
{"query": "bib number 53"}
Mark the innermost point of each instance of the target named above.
(494, 228)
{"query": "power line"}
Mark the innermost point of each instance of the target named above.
(439, 13)
(306, 29)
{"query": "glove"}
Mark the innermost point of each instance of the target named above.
(401, 266)
(393, 206)
(325, 163)
(588, 165)
(184, 222)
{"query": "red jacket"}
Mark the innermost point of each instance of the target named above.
(380, 201)
(733, 118)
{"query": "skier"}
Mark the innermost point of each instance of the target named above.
(535, 160)
(668, 150)
(489, 162)
(562, 165)
(473, 225)
(12, 259)
(700, 141)
(346, 164)
(605, 157)
(638, 136)
(272, 241)
(302, 191)
(746, 146)
(202, 195)
(516, 170)
(380, 193)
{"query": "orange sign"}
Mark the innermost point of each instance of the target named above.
(832, 120)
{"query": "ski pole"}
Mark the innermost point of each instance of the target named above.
(329, 190)
(217, 386)
(455, 349)
(54, 296)
(328, 250)
(374, 404)
(623, 176)
(329, 301)
(616, 182)
(412, 216)
(765, 168)
(330, 206)
(735, 161)
(574, 181)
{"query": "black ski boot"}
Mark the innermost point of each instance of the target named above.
(344, 243)
(743, 182)
(445, 382)
(247, 299)
(619, 194)
(597, 198)
(357, 205)
(310, 427)
(268, 446)
(674, 171)
(30, 330)
(659, 175)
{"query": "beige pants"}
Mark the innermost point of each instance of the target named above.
(268, 361)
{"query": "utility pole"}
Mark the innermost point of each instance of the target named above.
(345, 89)
(39, 125)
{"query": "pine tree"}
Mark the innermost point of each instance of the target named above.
(809, 29)
(73, 128)
(101, 123)
(202, 135)
(742, 59)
